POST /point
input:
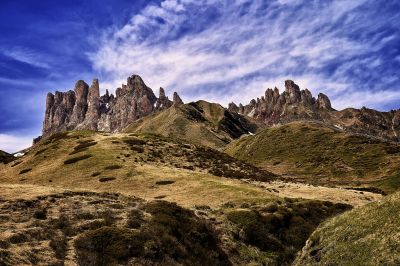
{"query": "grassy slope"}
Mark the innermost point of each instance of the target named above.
(200, 123)
(66, 227)
(133, 164)
(320, 154)
(365, 236)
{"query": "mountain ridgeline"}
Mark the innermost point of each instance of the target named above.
(134, 103)
(295, 104)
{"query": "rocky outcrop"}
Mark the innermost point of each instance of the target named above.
(176, 100)
(163, 102)
(294, 104)
(84, 108)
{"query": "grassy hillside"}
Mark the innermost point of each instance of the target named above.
(315, 153)
(365, 236)
(6, 157)
(144, 165)
(203, 123)
(87, 228)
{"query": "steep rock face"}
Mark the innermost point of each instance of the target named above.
(292, 104)
(163, 102)
(295, 104)
(84, 108)
(177, 100)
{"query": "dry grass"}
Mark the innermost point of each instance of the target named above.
(365, 236)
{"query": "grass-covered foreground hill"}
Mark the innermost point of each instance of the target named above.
(364, 236)
(201, 122)
(143, 165)
(51, 226)
(315, 153)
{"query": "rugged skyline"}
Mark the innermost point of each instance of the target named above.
(209, 50)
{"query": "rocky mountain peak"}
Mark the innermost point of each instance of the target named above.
(292, 104)
(84, 108)
(176, 99)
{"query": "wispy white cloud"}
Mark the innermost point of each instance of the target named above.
(246, 46)
(26, 55)
(13, 143)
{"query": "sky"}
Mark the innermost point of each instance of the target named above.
(220, 51)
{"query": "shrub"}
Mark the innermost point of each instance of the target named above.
(95, 174)
(84, 144)
(106, 179)
(107, 246)
(40, 151)
(113, 167)
(25, 171)
(40, 214)
(138, 149)
(134, 141)
(59, 244)
(165, 182)
(135, 219)
(77, 159)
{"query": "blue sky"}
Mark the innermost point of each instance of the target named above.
(220, 51)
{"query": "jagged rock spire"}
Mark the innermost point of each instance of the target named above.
(84, 108)
(177, 100)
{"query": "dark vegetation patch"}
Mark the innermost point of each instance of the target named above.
(172, 236)
(95, 174)
(369, 189)
(134, 141)
(85, 144)
(16, 163)
(40, 151)
(77, 159)
(165, 182)
(106, 179)
(40, 214)
(25, 171)
(282, 229)
(113, 167)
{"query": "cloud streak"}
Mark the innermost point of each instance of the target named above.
(232, 50)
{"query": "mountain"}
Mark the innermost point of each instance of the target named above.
(313, 152)
(6, 157)
(84, 108)
(200, 122)
(364, 236)
(294, 104)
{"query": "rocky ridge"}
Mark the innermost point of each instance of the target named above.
(84, 108)
(294, 104)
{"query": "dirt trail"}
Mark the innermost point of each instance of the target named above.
(305, 191)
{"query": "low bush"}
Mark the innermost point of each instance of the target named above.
(134, 141)
(106, 179)
(138, 149)
(84, 145)
(59, 244)
(165, 182)
(40, 214)
(25, 171)
(107, 246)
(135, 219)
(113, 167)
(77, 159)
